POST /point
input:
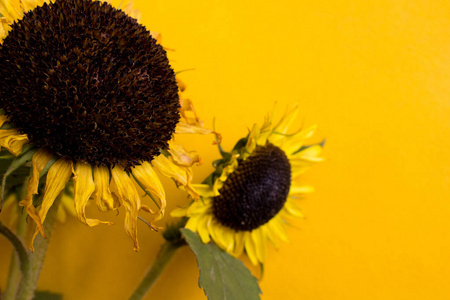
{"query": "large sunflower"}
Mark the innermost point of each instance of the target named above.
(254, 190)
(88, 93)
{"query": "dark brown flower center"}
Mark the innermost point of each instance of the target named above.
(86, 81)
(256, 191)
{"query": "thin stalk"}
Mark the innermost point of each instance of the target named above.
(164, 256)
(15, 273)
(28, 284)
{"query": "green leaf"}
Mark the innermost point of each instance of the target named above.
(222, 276)
(44, 295)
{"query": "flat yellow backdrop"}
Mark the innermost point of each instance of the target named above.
(375, 77)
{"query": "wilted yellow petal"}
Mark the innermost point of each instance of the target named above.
(181, 175)
(38, 163)
(149, 181)
(187, 128)
(83, 186)
(57, 178)
(3, 119)
(12, 140)
(102, 195)
(183, 158)
(122, 186)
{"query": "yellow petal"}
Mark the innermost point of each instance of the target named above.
(309, 154)
(260, 244)
(293, 142)
(282, 127)
(271, 235)
(300, 189)
(204, 190)
(276, 225)
(83, 186)
(292, 209)
(202, 229)
(183, 158)
(192, 223)
(38, 163)
(181, 175)
(150, 182)
(157, 36)
(183, 127)
(11, 10)
(4, 29)
(122, 186)
(57, 178)
(12, 140)
(102, 195)
(178, 212)
(239, 243)
(250, 248)
(3, 119)
(253, 138)
(28, 5)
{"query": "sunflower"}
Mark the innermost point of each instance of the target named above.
(88, 94)
(254, 190)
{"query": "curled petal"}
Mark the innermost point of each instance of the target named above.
(183, 158)
(122, 186)
(12, 140)
(181, 175)
(102, 195)
(57, 178)
(149, 181)
(38, 163)
(83, 185)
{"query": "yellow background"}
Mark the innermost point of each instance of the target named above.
(374, 75)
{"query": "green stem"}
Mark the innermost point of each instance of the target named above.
(15, 273)
(28, 284)
(164, 256)
(18, 246)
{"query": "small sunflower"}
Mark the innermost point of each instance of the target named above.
(254, 189)
(88, 93)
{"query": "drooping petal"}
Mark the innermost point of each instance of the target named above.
(38, 163)
(181, 175)
(102, 195)
(12, 140)
(3, 119)
(83, 185)
(183, 127)
(182, 157)
(149, 181)
(57, 178)
(122, 186)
